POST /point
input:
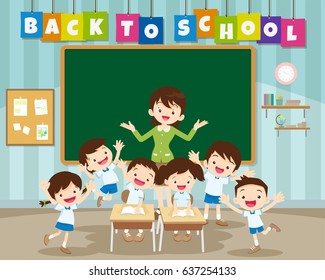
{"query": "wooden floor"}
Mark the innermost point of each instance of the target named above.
(302, 237)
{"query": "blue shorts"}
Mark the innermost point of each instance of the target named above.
(111, 188)
(253, 230)
(64, 227)
(211, 199)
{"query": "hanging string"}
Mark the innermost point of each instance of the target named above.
(185, 2)
(52, 7)
(293, 9)
(73, 7)
(32, 6)
(205, 4)
(150, 8)
(226, 8)
(95, 6)
(269, 8)
(249, 6)
(128, 7)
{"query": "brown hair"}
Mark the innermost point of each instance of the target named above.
(89, 147)
(144, 162)
(250, 181)
(225, 149)
(60, 181)
(167, 95)
(179, 166)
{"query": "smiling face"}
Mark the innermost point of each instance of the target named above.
(100, 159)
(251, 197)
(166, 115)
(182, 182)
(69, 195)
(219, 166)
(141, 177)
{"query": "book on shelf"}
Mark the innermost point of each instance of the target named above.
(293, 102)
(183, 213)
(268, 99)
(131, 210)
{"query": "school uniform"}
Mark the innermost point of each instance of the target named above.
(135, 194)
(255, 223)
(214, 186)
(182, 199)
(66, 219)
(109, 179)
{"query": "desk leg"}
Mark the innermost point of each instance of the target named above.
(202, 239)
(112, 236)
(153, 237)
(161, 235)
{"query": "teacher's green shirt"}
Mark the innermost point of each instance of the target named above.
(162, 138)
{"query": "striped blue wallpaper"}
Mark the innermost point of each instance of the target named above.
(291, 163)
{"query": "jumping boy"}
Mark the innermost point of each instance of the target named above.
(220, 165)
(251, 195)
(95, 157)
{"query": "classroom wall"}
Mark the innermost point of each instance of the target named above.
(291, 163)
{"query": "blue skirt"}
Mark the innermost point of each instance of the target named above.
(64, 227)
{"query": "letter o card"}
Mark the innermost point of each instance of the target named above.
(127, 28)
(185, 28)
(205, 22)
(51, 27)
(31, 25)
(151, 30)
(249, 27)
(270, 30)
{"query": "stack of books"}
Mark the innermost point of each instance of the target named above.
(293, 102)
(290, 126)
(269, 99)
(302, 124)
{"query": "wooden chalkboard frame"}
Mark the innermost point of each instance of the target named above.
(199, 47)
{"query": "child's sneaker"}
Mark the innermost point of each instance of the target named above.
(65, 250)
(127, 237)
(254, 249)
(275, 227)
(222, 223)
(139, 237)
(177, 237)
(99, 201)
(46, 239)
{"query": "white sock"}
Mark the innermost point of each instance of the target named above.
(218, 216)
(104, 198)
(126, 231)
(51, 236)
(64, 244)
(175, 231)
(188, 232)
(206, 216)
(256, 242)
(140, 230)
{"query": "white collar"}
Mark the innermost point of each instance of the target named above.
(165, 129)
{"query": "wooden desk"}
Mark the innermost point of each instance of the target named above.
(130, 221)
(170, 223)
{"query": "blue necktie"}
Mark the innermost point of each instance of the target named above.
(67, 208)
(105, 170)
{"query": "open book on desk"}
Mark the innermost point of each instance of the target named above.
(131, 210)
(182, 213)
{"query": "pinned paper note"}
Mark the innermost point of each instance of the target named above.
(40, 107)
(26, 130)
(17, 127)
(42, 132)
(20, 107)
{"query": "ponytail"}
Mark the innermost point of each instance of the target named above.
(43, 203)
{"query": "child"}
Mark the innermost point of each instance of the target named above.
(167, 107)
(251, 195)
(180, 175)
(140, 174)
(94, 156)
(64, 191)
(221, 162)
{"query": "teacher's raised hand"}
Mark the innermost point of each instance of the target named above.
(199, 124)
(128, 126)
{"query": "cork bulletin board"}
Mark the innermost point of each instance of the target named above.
(30, 116)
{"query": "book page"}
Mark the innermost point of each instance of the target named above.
(131, 210)
(182, 213)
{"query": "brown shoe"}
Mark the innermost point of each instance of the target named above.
(187, 237)
(157, 214)
(46, 239)
(139, 237)
(99, 201)
(65, 250)
(127, 237)
(177, 237)
(275, 227)
(222, 223)
(254, 249)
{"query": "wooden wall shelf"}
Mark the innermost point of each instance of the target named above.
(292, 128)
(303, 107)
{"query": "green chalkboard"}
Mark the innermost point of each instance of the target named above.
(102, 86)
